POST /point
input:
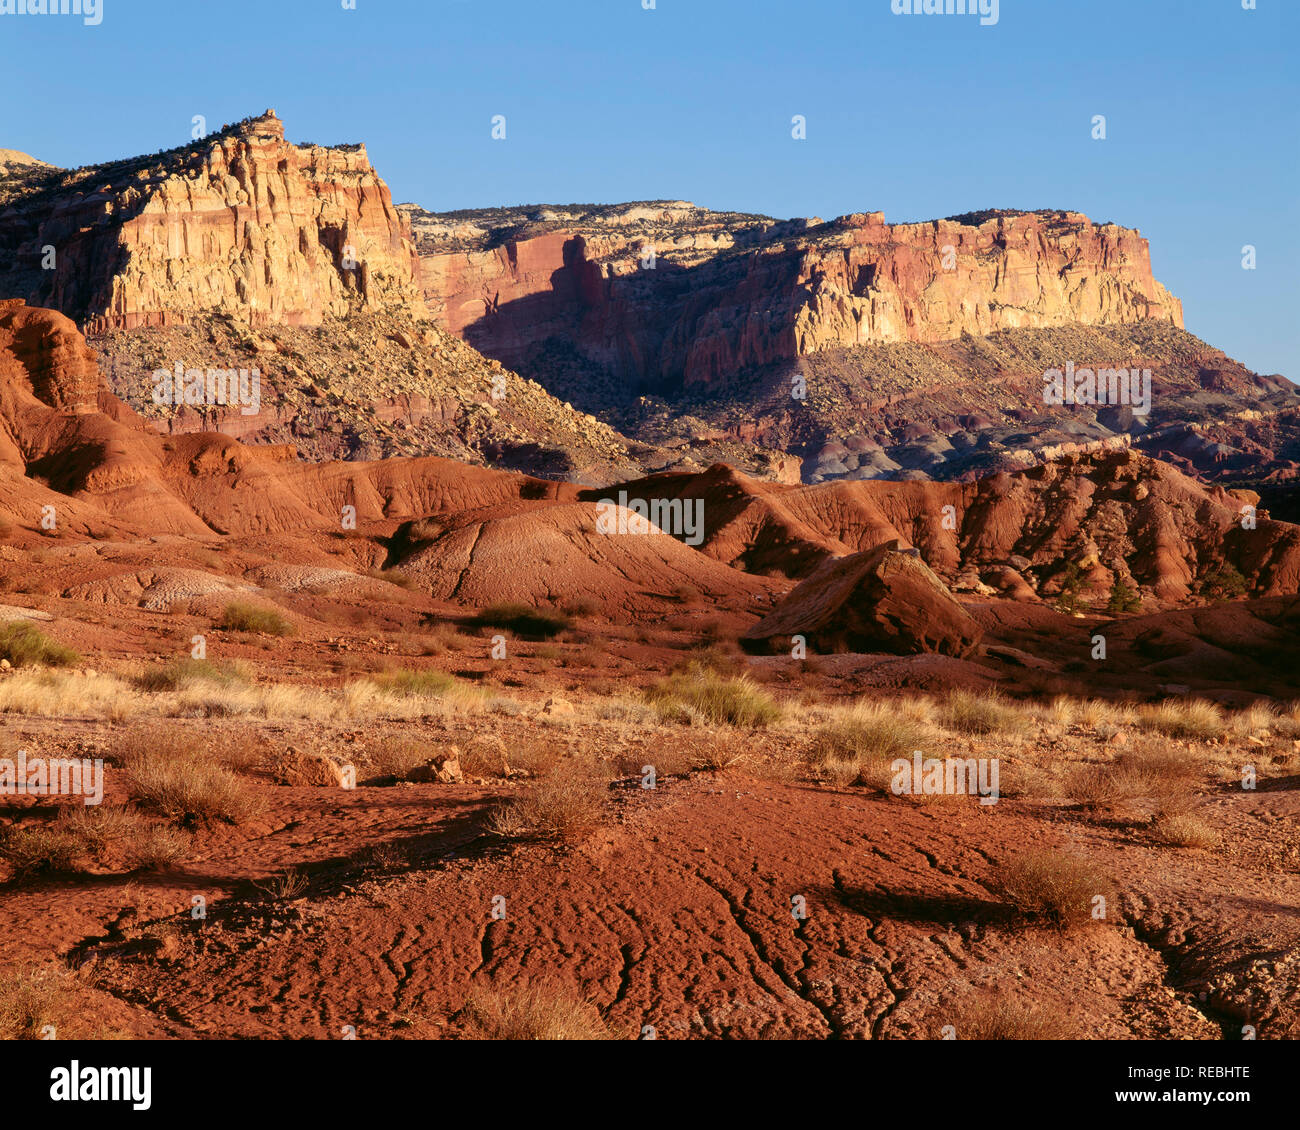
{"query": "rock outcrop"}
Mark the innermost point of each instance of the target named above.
(240, 222)
(884, 600)
(667, 335)
(1081, 522)
(48, 356)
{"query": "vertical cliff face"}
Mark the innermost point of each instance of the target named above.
(241, 223)
(728, 292)
(875, 282)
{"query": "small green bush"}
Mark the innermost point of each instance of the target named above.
(250, 618)
(701, 693)
(24, 645)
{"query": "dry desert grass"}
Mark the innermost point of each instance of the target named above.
(536, 1012)
(177, 776)
(1053, 888)
(1000, 1018)
(560, 807)
(192, 690)
(701, 694)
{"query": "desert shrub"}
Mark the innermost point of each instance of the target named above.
(559, 807)
(29, 1002)
(536, 1012)
(1071, 585)
(526, 622)
(68, 844)
(1053, 888)
(25, 645)
(33, 850)
(1097, 786)
(721, 657)
(1184, 829)
(250, 618)
(989, 1018)
(156, 847)
(1257, 718)
(99, 825)
(288, 885)
(177, 777)
(868, 732)
(397, 756)
(710, 632)
(1139, 773)
(438, 639)
(699, 693)
(178, 673)
(1123, 597)
(986, 713)
(1224, 582)
(393, 577)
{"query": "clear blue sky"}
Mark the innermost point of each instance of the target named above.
(918, 116)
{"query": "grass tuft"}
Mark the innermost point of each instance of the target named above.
(699, 694)
(537, 1012)
(25, 645)
(250, 618)
(177, 776)
(989, 713)
(1053, 888)
(1194, 719)
(1001, 1019)
(556, 808)
(415, 683)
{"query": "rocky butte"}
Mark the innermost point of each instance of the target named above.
(240, 222)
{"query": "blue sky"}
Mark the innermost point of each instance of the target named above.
(916, 116)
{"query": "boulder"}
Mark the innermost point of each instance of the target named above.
(321, 770)
(441, 770)
(1009, 582)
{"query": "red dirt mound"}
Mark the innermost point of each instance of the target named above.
(509, 538)
(555, 554)
(883, 600)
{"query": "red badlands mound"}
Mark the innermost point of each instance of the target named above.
(1087, 521)
(882, 600)
(57, 422)
(1113, 515)
(554, 554)
(509, 538)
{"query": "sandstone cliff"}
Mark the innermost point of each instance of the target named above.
(920, 346)
(727, 292)
(241, 222)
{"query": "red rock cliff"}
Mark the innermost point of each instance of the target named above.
(728, 292)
